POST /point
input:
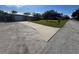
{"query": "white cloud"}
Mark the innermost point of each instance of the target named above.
(18, 6)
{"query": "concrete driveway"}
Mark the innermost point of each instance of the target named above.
(45, 32)
(24, 37)
(16, 38)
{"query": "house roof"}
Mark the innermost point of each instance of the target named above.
(20, 14)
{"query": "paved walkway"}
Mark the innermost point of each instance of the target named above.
(65, 41)
(46, 32)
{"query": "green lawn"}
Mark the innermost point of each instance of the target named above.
(52, 23)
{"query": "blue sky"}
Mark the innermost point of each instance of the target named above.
(65, 9)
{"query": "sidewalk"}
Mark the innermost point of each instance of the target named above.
(46, 32)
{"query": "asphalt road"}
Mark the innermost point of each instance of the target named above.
(66, 41)
(16, 38)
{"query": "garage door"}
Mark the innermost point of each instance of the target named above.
(19, 18)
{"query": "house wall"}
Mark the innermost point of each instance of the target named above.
(29, 18)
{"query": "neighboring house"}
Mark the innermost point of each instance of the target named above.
(18, 17)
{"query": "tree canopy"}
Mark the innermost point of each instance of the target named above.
(75, 14)
(13, 11)
(2, 12)
(37, 16)
(51, 14)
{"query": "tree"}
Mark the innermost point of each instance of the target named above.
(1, 12)
(75, 14)
(3, 15)
(37, 16)
(13, 11)
(51, 14)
